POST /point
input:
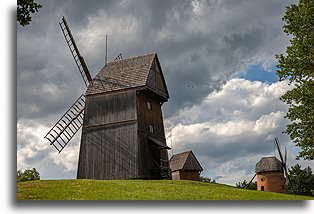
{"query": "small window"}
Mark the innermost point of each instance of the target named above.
(283, 187)
(149, 105)
(151, 128)
(262, 188)
(262, 179)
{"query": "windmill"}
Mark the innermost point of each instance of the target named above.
(120, 114)
(270, 172)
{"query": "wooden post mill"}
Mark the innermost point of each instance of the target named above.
(123, 134)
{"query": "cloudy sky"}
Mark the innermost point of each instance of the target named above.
(218, 59)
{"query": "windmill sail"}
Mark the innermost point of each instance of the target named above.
(63, 131)
(283, 160)
(79, 60)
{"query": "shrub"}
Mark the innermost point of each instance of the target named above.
(28, 175)
(206, 179)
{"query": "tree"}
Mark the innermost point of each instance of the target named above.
(24, 10)
(28, 175)
(244, 185)
(301, 180)
(297, 67)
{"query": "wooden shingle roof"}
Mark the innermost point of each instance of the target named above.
(135, 72)
(185, 161)
(268, 164)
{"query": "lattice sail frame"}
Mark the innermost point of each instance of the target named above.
(79, 60)
(68, 125)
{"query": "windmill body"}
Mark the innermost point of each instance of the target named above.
(123, 134)
(270, 175)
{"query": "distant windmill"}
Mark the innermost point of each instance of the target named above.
(270, 172)
(123, 134)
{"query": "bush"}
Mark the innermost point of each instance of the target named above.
(206, 179)
(28, 175)
(245, 185)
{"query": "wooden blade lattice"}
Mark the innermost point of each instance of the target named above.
(79, 60)
(63, 131)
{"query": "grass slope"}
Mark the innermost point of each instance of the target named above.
(139, 190)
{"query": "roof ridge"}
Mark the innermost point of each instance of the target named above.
(131, 57)
(189, 151)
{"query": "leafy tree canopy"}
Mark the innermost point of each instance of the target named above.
(296, 66)
(24, 10)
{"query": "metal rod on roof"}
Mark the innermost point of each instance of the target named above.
(106, 54)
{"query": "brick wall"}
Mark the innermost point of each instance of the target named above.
(189, 175)
(271, 182)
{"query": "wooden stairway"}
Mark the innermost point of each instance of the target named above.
(162, 169)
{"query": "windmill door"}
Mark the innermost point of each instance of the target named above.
(155, 161)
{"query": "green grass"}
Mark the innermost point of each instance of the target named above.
(140, 190)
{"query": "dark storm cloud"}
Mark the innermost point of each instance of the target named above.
(178, 31)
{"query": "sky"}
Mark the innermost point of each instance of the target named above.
(218, 59)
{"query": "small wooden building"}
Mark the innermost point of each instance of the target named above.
(123, 133)
(270, 175)
(185, 166)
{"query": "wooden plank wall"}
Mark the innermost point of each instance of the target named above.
(109, 152)
(146, 117)
(155, 81)
(109, 148)
(191, 164)
(110, 108)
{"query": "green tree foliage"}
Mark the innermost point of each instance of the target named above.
(244, 185)
(206, 179)
(24, 10)
(301, 180)
(296, 66)
(28, 175)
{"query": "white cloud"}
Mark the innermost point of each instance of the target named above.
(30, 142)
(68, 158)
(33, 151)
(237, 99)
(230, 126)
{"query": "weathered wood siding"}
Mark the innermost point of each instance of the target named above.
(153, 116)
(110, 108)
(155, 80)
(185, 175)
(175, 175)
(189, 175)
(191, 164)
(145, 118)
(109, 148)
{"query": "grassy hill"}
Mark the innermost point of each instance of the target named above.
(139, 190)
